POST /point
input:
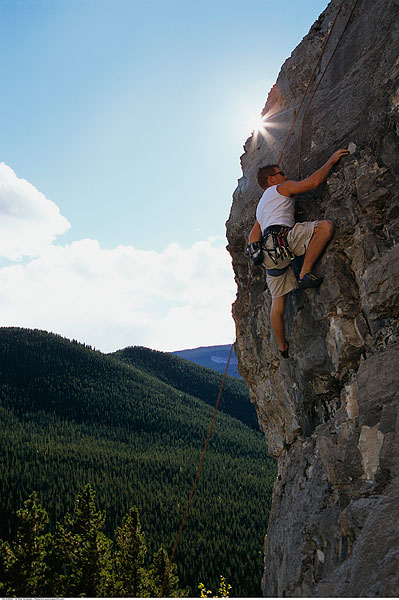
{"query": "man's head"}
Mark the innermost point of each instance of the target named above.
(270, 175)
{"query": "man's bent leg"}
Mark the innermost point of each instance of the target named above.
(322, 233)
(277, 321)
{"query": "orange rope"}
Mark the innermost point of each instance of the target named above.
(311, 79)
(201, 462)
(318, 85)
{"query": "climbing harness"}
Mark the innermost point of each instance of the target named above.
(280, 249)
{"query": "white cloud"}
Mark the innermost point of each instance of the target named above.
(108, 298)
(28, 220)
(169, 300)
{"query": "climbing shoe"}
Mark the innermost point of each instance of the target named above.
(284, 353)
(309, 281)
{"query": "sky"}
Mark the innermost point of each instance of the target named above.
(122, 123)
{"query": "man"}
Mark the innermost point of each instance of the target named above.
(283, 240)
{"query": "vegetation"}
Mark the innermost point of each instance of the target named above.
(223, 591)
(78, 560)
(200, 382)
(71, 415)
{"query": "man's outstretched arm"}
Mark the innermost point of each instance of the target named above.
(289, 187)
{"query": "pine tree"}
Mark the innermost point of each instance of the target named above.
(157, 574)
(130, 577)
(82, 551)
(24, 560)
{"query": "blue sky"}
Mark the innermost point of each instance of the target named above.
(129, 117)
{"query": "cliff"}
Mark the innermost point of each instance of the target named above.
(330, 411)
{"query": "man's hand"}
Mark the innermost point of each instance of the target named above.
(338, 154)
(255, 253)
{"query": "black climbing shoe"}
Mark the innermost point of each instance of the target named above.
(309, 281)
(284, 353)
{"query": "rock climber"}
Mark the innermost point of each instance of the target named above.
(275, 240)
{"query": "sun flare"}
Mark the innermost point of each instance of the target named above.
(259, 125)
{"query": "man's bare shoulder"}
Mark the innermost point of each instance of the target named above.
(287, 188)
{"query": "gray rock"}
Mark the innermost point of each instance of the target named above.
(330, 412)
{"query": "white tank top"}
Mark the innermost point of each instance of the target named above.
(275, 209)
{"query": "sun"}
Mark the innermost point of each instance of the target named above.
(262, 130)
(259, 125)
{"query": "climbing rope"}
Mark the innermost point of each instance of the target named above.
(208, 437)
(322, 50)
(320, 80)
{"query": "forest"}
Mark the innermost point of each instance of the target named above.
(72, 416)
(79, 560)
(200, 383)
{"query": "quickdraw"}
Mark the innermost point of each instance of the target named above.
(281, 249)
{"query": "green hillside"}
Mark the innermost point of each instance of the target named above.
(71, 415)
(198, 381)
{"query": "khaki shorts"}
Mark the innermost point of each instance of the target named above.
(298, 240)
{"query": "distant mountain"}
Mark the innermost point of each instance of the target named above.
(213, 357)
(189, 377)
(70, 415)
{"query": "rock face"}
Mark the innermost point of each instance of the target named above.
(330, 411)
